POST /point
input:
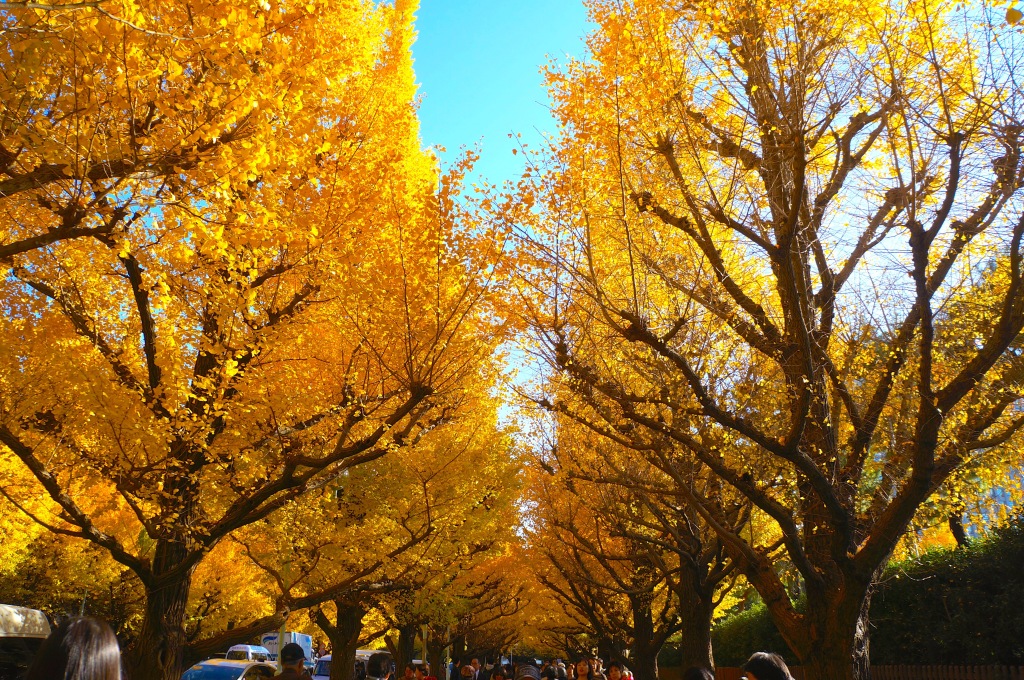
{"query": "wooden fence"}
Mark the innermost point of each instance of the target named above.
(911, 673)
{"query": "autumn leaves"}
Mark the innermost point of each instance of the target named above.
(770, 272)
(233, 277)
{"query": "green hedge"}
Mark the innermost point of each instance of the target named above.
(947, 607)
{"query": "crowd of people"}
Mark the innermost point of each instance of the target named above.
(760, 666)
(84, 648)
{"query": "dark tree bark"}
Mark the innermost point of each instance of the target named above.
(647, 643)
(344, 637)
(158, 652)
(695, 618)
(405, 647)
(956, 527)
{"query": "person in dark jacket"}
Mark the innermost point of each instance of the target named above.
(293, 663)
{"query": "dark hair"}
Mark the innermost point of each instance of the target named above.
(591, 667)
(767, 666)
(701, 673)
(379, 665)
(81, 648)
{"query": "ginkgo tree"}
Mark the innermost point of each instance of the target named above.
(787, 237)
(396, 530)
(263, 280)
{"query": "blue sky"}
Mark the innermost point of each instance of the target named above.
(478, 65)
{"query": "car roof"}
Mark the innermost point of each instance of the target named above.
(23, 622)
(231, 663)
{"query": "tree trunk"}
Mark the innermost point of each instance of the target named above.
(344, 637)
(609, 650)
(838, 648)
(643, 653)
(956, 527)
(158, 651)
(695, 618)
(436, 658)
(405, 648)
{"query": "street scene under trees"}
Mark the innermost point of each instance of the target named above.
(718, 373)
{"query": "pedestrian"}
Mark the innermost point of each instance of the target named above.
(293, 663)
(586, 669)
(527, 671)
(475, 663)
(617, 671)
(766, 666)
(380, 666)
(80, 648)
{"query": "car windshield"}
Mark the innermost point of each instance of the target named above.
(322, 668)
(211, 672)
(238, 655)
(16, 654)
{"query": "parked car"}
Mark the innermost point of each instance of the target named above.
(229, 669)
(322, 670)
(22, 631)
(248, 653)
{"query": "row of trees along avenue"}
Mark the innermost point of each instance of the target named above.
(777, 281)
(232, 279)
(251, 337)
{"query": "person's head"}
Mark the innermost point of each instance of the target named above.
(475, 663)
(766, 666)
(616, 671)
(527, 671)
(410, 670)
(468, 672)
(598, 664)
(586, 668)
(698, 673)
(380, 665)
(422, 671)
(293, 656)
(81, 648)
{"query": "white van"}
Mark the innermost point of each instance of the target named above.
(22, 632)
(247, 653)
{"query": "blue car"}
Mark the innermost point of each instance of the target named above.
(230, 669)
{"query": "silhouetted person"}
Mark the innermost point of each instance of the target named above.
(80, 648)
(766, 666)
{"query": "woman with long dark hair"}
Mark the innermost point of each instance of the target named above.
(586, 669)
(81, 648)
